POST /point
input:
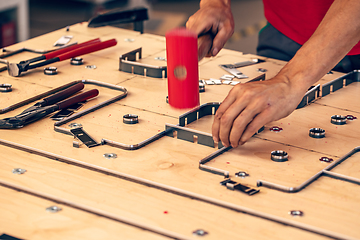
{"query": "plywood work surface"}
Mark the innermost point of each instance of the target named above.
(153, 188)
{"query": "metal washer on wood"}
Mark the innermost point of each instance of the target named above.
(279, 156)
(130, 119)
(50, 70)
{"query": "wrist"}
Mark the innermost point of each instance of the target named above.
(215, 3)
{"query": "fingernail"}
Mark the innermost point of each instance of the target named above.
(215, 51)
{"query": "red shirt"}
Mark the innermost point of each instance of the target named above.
(298, 19)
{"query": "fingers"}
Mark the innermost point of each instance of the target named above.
(219, 118)
(223, 35)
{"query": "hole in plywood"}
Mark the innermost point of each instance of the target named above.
(174, 134)
(195, 139)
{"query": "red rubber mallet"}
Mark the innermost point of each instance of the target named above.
(182, 67)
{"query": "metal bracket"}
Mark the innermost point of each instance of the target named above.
(128, 64)
(232, 185)
(84, 137)
(340, 82)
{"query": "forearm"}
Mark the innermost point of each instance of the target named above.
(221, 3)
(338, 32)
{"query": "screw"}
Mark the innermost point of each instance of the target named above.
(53, 209)
(75, 125)
(200, 232)
(326, 159)
(110, 155)
(90, 66)
(276, 129)
(242, 174)
(296, 213)
(18, 171)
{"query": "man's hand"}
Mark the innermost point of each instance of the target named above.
(215, 18)
(250, 106)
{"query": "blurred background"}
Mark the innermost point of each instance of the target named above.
(23, 19)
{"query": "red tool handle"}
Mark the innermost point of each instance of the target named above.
(78, 98)
(63, 94)
(87, 49)
(70, 48)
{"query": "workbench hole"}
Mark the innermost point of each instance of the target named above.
(195, 139)
(175, 134)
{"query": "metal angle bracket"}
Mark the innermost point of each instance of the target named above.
(310, 96)
(340, 82)
(84, 137)
(232, 185)
(128, 64)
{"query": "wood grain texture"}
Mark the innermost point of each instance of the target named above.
(160, 184)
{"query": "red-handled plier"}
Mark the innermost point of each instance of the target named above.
(15, 69)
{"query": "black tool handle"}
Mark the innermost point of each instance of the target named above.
(63, 94)
(78, 98)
